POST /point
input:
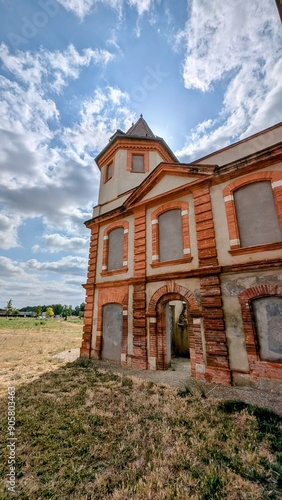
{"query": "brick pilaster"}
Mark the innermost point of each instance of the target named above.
(139, 291)
(85, 349)
(217, 369)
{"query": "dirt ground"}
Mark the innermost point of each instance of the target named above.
(178, 377)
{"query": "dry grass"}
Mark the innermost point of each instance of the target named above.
(87, 434)
(27, 346)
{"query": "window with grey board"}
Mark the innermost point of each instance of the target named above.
(256, 214)
(115, 249)
(267, 313)
(138, 163)
(109, 171)
(170, 235)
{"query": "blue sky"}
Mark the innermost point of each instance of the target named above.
(204, 74)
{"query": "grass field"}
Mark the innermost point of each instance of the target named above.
(28, 344)
(87, 434)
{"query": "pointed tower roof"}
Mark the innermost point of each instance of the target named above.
(138, 131)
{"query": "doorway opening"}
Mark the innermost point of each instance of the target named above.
(177, 336)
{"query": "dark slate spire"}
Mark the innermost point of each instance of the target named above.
(141, 129)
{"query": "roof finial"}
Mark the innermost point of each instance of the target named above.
(141, 116)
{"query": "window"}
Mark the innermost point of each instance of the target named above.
(115, 249)
(137, 163)
(256, 214)
(109, 172)
(170, 235)
(267, 312)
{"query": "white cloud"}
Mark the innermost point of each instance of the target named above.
(82, 8)
(57, 243)
(141, 5)
(241, 42)
(9, 225)
(46, 167)
(51, 70)
(72, 265)
(10, 268)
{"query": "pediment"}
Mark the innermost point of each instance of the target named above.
(166, 178)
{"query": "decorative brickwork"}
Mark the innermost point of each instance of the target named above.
(234, 237)
(257, 367)
(157, 321)
(124, 268)
(171, 205)
(89, 287)
(149, 282)
(139, 357)
(207, 252)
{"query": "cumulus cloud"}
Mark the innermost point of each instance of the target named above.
(58, 243)
(72, 265)
(239, 42)
(82, 8)
(9, 225)
(47, 169)
(10, 268)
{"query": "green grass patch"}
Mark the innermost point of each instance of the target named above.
(88, 434)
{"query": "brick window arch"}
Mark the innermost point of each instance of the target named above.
(236, 195)
(115, 248)
(180, 230)
(260, 365)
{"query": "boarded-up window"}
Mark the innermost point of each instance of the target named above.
(112, 332)
(115, 249)
(138, 163)
(256, 214)
(170, 235)
(109, 171)
(268, 321)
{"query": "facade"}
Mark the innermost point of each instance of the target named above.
(186, 258)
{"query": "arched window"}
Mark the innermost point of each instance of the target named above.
(115, 249)
(267, 313)
(170, 235)
(256, 214)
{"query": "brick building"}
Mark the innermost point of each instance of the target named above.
(205, 235)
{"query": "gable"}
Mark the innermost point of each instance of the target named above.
(168, 177)
(166, 184)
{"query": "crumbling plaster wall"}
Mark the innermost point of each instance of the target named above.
(232, 285)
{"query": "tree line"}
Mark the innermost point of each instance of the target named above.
(50, 310)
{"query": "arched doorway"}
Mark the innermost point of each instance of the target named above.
(160, 320)
(174, 325)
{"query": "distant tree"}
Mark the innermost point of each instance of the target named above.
(49, 312)
(58, 309)
(82, 306)
(66, 312)
(76, 311)
(9, 307)
(16, 312)
(38, 310)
